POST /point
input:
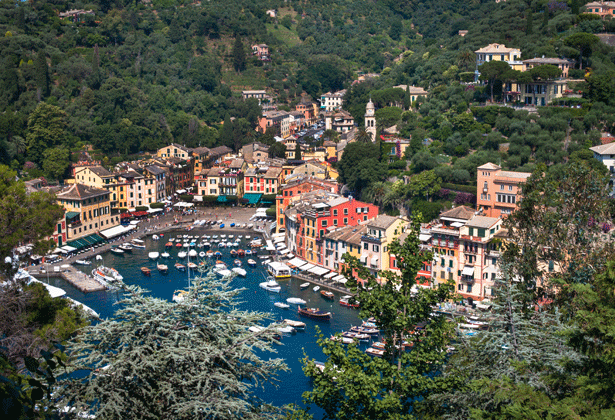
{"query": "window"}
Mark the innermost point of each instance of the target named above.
(345, 211)
(502, 187)
(364, 218)
(335, 212)
(376, 248)
(366, 246)
(335, 222)
(510, 188)
(324, 223)
(469, 289)
(345, 221)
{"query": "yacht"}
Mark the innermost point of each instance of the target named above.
(182, 254)
(153, 255)
(295, 301)
(107, 274)
(165, 255)
(192, 253)
(239, 271)
(270, 286)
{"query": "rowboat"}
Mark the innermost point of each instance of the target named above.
(180, 267)
(314, 313)
(251, 263)
(237, 263)
(146, 271)
(304, 285)
(295, 324)
(163, 268)
(374, 352)
(316, 288)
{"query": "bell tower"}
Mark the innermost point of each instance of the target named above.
(370, 119)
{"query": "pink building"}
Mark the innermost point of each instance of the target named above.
(498, 191)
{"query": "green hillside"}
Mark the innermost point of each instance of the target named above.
(135, 75)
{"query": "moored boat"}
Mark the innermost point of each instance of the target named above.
(233, 253)
(192, 253)
(202, 254)
(327, 294)
(165, 255)
(316, 288)
(295, 301)
(117, 251)
(304, 285)
(138, 245)
(180, 267)
(239, 271)
(375, 352)
(168, 244)
(343, 340)
(178, 245)
(126, 247)
(192, 266)
(82, 262)
(281, 305)
(348, 304)
(163, 268)
(241, 253)
(270, 286)
(314, 313)
(237, 263)
(295, 324)
(182, 254)
(146, 271)
(107, 274)
(153, 255)
(251, 263)
(365, 330)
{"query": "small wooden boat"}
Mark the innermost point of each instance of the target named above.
(146, 271)
(343, 340)
(295, 324)
(358, 336)
(346, 302)
(327, 294)
(365, 330)
(314, 313)
(241, 253)
(209, 254)
(137, 244)
(233, 253)
(375, 352)
(178, 245)
(192, 266)
(304, 285)
(180, 267)
(237, 263)
(316, 288)
(168, 244)
(163, 268)
(251, 263)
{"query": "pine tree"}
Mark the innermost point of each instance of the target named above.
(529, 22)
(226, 132)
(42, 74)
(95, 77)
(354, 385)
(156, 359)
(239, 55)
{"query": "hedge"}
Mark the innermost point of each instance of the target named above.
(186, 197)
(458, 187)
(156, 205)
(141, 208)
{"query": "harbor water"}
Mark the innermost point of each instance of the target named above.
(291, 384)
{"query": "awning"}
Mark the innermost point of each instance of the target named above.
(278, 235)
(252, 198)
(306, 267)
(155, 210)
(278, 239)
(340, 279)
(319, 271)
(330, 275)
(68, 248)
(182, 204)
(297, 262)
(71, 214)
(363, 258)
(197, 198)
(468, 271)
(374, 260)
(180, 191)
(284, 251)
(114, 231)
(424, 237)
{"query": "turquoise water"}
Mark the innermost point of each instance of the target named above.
(293, 383)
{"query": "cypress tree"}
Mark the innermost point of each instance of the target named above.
(226, 132)
(95, 78)
(529, 21)
(298, 151)
(42, 74)
(239, 55)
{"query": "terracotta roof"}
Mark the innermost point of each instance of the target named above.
(461, 212)
(489, 165)
(547, 60)
(511, 174)
(81, 192)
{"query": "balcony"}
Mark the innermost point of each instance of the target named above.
(445, 230)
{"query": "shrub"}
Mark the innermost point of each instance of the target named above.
(157, 205)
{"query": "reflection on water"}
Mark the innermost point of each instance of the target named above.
(292, 383)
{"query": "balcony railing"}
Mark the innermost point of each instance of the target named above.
(370, 238)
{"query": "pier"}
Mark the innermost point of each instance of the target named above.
(80, 280)
(336, 287)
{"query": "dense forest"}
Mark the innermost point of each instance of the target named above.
(134, 76)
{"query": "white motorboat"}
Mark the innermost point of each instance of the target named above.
(107, 274)
(316, 288)
(239, 271)
(295, 301)
(270, 286)
(192, 266)
(182, 254)
(281, 305)
(138, 241)
(117, 251)
(295, 324)
(223, 273)
(251, 263)
(153, 255)
(202, 254)
(126, 247)
(304, 285)
(137, 244)
(155, 237)
(165, 255)
(163, 268)
(82, 262)
(286, 330)
(192, 253)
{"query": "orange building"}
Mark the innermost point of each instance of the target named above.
(498, 191)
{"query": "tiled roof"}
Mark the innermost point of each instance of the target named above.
(604, 149)
(482, 222)
(547, 60)
(80, 192)
(220, 150)
(98, 170)
(496, 49)
(461, 212)
(382, 221)
(154, 169)
(348, 234)
(511, 174)
(489, 165)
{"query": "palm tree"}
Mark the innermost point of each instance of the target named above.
(376, 192)
(466, 59)
(364, 136)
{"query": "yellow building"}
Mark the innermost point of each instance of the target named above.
(499, 52)
(314, 169)
(174, 150)
(341, 241)
(381, 231)
(88, 210)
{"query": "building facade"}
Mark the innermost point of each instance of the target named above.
(499, 52)
(498, 191)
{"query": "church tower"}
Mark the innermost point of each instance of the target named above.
(370, 119)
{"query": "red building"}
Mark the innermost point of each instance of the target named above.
(293, 190)
(59, 233)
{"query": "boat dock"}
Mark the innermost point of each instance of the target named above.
(336, 287)
(77, 278)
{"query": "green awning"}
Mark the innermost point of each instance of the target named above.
(221, 199)
(76, 244)
(72, 214)
(252, 198)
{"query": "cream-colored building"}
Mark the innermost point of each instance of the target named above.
(381, 231)
(500, 52)
(88, 210)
